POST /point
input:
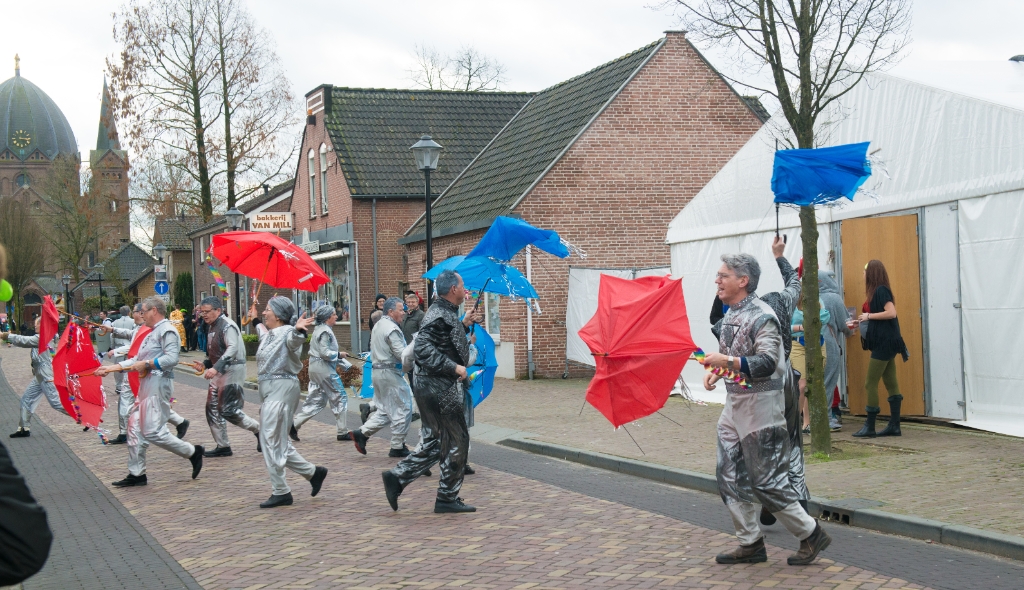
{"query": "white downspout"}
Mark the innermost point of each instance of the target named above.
(529, 314)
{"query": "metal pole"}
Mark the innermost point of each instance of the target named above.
(67, 300)
(101, 290)
(430, 229)
(373, 220)
(529, 316)
(238, 301)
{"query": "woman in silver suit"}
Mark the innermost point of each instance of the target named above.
(324, 385)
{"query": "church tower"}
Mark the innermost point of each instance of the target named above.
(109, 166)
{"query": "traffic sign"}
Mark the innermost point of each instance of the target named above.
(160, 287)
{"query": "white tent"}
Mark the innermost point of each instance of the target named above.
(956, 162)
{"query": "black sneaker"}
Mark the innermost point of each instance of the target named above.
(21, 433)
(219, 452)
(131, 481)
(364, 412)
(359, 439)
(399, 453)
(120, 440)
(392, 488)
(197, 461)
(182, 429)
(469, 470)
(293, 433)
(275, 501)
(346, 436)
(259, 445)
(427, 473)
(318, 479)
(457, 506)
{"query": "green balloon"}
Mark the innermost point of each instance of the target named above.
(6, 291)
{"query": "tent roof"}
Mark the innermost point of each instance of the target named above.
(936, 146)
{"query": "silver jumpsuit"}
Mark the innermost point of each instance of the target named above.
(147, 423)
(224, 397)
(753, 440)
(391, 392)
(325, 388)
(42, 383)
(278, 365)
(120, 343)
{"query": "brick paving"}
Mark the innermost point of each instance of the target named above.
(952, 475)
(528, 533)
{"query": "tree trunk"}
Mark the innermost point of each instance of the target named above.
(817, 401)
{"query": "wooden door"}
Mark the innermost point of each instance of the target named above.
(894, 241)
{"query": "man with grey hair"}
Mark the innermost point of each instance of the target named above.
(442, 353)
(391, 394)
(147, 422)
(224, 367)
(753, 440)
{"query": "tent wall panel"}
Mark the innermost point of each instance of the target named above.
(943, 343)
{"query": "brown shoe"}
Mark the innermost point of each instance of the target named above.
(810, 547)
(753, 553)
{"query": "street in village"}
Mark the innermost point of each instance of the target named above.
(542, 523)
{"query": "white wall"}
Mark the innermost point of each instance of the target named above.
(940, 270)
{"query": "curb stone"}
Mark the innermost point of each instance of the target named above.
(891, 523)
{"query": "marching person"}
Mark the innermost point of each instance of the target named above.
(442, 353)
(224, 367)
(753, 442)
(147, 422)
(120, 341)
(391, 394)
(42, 383)
(277, 359)
(324, 385)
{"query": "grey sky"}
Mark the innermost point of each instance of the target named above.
(63, 43)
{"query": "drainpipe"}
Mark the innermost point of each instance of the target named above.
(529, 315)
(357, 319)
(373, 220)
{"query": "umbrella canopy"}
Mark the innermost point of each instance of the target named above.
(507, 236)
(268, 258)
(640, 338)
(80, 392)
(822, 175)
(133, 376)
(480, 273)
(485, 367)
(48, 323)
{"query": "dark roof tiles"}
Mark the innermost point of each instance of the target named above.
(173, 231)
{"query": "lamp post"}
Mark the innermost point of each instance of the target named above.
(235, 221)
(427, 151)
(66, 279)
(100, 273)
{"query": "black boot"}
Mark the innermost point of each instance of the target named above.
(182, 429)
(392, 488)
(275, 501)
(893, 428)
(318, 479)
(120, 440)
(197, 461)
(868, 430)
(293, 433)
(359, 440)
(259, 445)
(469, 470)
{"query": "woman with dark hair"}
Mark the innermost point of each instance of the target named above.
(884, 340)
(378, 305)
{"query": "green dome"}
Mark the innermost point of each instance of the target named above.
(30, 120)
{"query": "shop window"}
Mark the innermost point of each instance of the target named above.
(311, 160)
(491, 312)
(323, 179)
(335, 292)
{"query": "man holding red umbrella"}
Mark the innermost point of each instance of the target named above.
(753, 441)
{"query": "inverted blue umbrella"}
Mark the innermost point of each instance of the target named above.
(507, 236)
(480, 273)
(482, 372)
(822, 175)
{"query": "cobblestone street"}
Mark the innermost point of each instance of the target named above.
(535, 527)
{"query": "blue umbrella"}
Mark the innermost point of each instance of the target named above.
(485, 367)
(823, 175)
(480, 273)
(507, 236)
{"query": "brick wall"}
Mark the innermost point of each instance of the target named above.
(615, 191)
(339, 201)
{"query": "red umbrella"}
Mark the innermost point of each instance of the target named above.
(133, 376)
(640, 339)
(48, 323)
(272, 260)
(81, 392)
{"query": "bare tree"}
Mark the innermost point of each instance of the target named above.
(816, 51)
(164, 84)
(75, 216)
(25, 246)
(466, 70)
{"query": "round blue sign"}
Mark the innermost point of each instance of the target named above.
(160, 287)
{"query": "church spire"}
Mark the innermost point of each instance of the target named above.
(106, 137)
(17, 65)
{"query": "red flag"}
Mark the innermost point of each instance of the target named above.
(73, 364)
(133, 377)
(48, 323)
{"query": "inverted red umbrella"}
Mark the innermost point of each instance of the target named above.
(133, 376)
(81, 392)
(49, 323)
(640, 339)
(268, 258)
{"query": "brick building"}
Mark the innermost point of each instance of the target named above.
(173, 232)
(127, 272)
(275, 199)
(606, 159)
(357, 188)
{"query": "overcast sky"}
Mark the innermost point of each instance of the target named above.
(63, 43)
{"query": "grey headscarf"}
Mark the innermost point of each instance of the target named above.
(324, 313)
(283, 308)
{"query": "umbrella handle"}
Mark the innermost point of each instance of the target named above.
(481, 297)
(256, 298)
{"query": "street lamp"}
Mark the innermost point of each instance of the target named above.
(235, 218)
(159, 250)
(427, 151)
(66, 279)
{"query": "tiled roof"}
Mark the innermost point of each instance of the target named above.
(530, 143)
(174, 231)
(372, 130)
(755, 105)
(133, 264)
(215, 221)
(259, 199)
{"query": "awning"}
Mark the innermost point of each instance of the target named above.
(330, 254)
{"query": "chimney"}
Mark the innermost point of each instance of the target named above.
(266, 189)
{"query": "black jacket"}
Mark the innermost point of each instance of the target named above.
(441, 346)
(25, 536)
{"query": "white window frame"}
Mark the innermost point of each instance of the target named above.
(323, 179)
(496, 336)
(311, 159)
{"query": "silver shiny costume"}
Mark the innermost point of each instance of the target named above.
(325, 388)
(147, 422)
(224, 396)
(441, 345)
(278, 365)
(753, 440)
(122, 338)
(42, 382)
(391, 392)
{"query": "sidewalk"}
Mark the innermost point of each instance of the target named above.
(956, 476)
